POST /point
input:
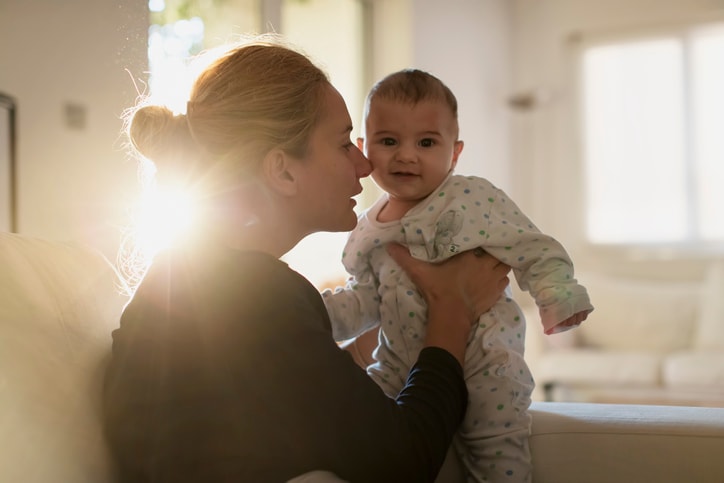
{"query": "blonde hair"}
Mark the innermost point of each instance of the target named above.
(257, 96)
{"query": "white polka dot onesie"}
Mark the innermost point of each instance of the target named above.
(464, 212)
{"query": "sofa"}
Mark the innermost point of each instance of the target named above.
(647, 341)
(60, 301)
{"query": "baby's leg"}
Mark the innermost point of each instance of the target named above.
(388, 377)
(493, 438)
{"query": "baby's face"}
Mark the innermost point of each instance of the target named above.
(412, 148)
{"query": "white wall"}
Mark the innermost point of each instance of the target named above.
(72, 181)
(466, 44)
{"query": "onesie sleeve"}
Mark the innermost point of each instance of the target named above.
(354, 308)
(540, 263)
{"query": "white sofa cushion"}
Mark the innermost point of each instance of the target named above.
(590, 367)
(58, 305)
(710, 329)
(657, 316)
(703, 370)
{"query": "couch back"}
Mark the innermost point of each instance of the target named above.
(656, 316)
(59, 303)
(641, 315)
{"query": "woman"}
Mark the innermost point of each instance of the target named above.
(224, 367)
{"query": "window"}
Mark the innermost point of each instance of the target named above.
(181, 29)
(653, 110)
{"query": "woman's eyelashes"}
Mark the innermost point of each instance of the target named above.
(348, 145)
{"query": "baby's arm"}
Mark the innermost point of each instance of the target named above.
(562, 302)
(354, 308)
(540, 264)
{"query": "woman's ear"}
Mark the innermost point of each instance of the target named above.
(278, 173)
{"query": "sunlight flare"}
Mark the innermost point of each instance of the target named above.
(166, 215)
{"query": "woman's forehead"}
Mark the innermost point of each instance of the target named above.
(335, 116)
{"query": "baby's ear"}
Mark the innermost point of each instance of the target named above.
(360, 144)
(457, 149)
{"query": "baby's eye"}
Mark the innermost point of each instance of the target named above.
(348, 146)
(388, 142)
(427, 143)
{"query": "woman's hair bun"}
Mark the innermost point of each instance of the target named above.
(159, 135)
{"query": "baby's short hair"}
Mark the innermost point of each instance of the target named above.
(412, 86)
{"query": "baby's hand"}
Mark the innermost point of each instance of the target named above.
(571, 322)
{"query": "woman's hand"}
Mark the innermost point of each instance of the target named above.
(458, 291)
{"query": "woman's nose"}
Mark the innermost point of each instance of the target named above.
(362, 165)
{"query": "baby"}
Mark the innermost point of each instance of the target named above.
(411, 139)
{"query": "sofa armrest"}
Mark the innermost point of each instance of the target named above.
(59, 303)
(575, 442)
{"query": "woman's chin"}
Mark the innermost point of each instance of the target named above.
(347, 225)
(344, 223)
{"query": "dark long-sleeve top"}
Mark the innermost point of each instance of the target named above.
(224, 369)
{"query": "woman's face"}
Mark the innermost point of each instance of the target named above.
(330, 171)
